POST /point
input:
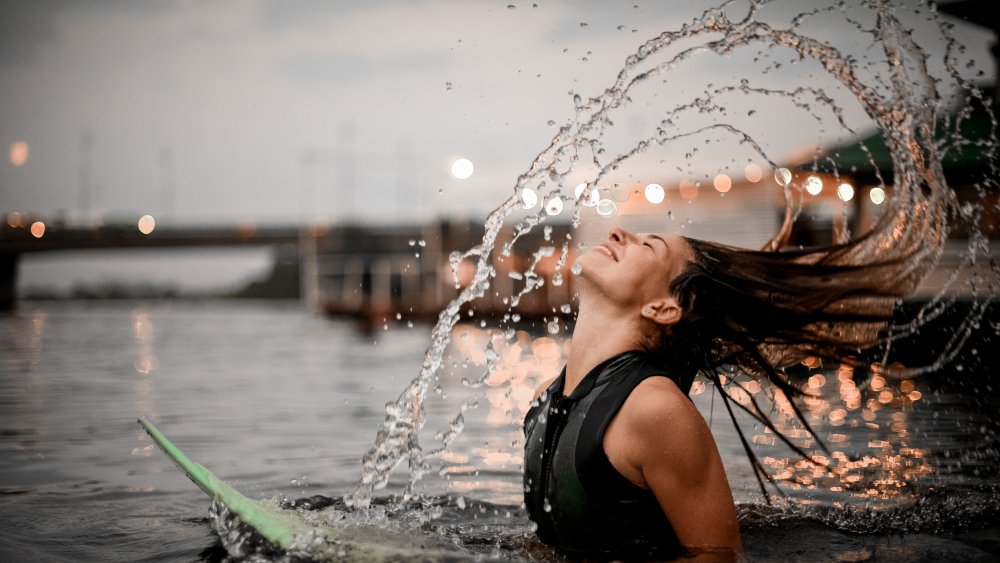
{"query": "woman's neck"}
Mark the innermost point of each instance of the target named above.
(599, 334)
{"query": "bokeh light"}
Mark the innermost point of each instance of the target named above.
(462, 168)
(814, 185)
(529, 198)
(877, 195)
(146, 224)
(783, 176)
(688, 190)
(554, 206)
(18, 153)
(38, 229)
(722, 183)
(655, 193)
(595, 194)
(845, 192)
(14, 219)
(753, 173)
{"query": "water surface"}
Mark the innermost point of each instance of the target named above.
(282, 404)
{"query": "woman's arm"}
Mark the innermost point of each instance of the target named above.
(665, 446)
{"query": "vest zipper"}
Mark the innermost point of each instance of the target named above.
(552, 432)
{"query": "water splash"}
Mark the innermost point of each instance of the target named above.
(905, 93)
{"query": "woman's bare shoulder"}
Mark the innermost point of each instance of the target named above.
(657, 404)
(660, 395)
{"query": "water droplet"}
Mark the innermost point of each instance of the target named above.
(553, 326)
(607, 208)
(576, 269)
(566, 308)
(546, 506)
(554, 206)
(515, 317)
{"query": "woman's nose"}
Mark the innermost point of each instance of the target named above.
(619, 235)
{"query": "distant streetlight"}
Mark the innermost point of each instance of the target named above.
(722, 183)
(877, 195)
(529, 198)
(845, 192)
(783, 176)
(814, 185)
(146, 224)
(18, 153)
(462, 168)
(554, 206)
(655, 193)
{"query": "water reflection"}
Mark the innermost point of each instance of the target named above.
(875, 452)
(879, 450)
(502, 368)
(145, 364)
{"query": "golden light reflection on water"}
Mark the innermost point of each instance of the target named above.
(865, 422)
(145, 363)
(521, 362)
(36, 341)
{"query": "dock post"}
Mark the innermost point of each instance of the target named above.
(8, 280)
(309, 273)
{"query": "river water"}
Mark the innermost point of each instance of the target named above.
(282, 404)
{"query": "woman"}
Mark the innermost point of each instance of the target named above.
(619, 464)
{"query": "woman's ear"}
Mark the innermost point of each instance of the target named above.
(664, 311)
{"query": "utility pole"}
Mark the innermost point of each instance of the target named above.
(84, 176)
(165, 160)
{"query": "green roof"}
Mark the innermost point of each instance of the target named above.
(968, 147)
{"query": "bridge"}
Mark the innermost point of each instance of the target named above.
(370, 272)
(16, 240)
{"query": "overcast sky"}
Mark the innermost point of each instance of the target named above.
(282, 110)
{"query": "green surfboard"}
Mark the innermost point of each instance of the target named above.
(291, 530)
(274, 525)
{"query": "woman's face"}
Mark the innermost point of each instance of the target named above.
(631, 270)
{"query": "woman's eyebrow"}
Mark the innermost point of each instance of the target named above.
(659, 238)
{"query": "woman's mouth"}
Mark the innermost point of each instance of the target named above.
(606, 249)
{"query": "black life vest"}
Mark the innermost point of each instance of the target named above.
(583, 507)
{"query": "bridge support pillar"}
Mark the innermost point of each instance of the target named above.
(8, 280)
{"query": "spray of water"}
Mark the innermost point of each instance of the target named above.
(917, 102)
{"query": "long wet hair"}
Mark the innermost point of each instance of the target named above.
(759, 312)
